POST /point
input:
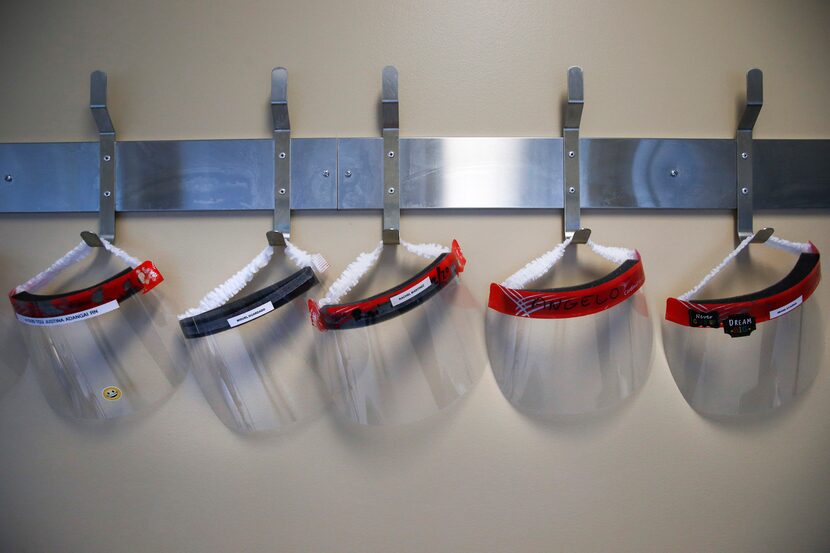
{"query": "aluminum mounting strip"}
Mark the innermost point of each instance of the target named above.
(347, 173)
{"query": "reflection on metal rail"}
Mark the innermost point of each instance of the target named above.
(436, 173)
(391, 173)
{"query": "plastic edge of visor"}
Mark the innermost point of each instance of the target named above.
(394, 301)
(571, 301)
(117, 288)
(739, 315)
(250, 307)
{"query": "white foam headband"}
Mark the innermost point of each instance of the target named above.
(352, 274)
(774, 241)
(71, 257)
(540, 266)
(220, 295)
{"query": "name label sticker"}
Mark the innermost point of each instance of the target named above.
(784, 309)
(411, 293)
(249, 316)
(72, 318)
(709, 319)
(738, 326)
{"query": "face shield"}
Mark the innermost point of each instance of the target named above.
(104, 351)
(570, 350)
(14, 359)
(745, 354)
(405, 353)
(253, 357)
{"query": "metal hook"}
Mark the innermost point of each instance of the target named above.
(570, 134)
(282, 158)
(391, 157)
(754, 102)
(106, 156)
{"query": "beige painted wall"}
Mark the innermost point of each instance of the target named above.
(651, 476)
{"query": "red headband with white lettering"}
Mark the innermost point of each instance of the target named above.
(512, 298)
(738, 315)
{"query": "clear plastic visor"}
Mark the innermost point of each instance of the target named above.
(722, 375)
(258, 373)
(14, 355)
(570, 366)
(406, 368)
(111, 365)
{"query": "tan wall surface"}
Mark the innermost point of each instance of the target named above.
(650, 476)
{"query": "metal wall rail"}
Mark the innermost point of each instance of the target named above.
(347, 173)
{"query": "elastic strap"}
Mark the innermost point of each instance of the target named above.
(427, 251)
(76, 254)
(773, 241)
(121, 254)
(788, 246)
(351, 275)
(358, 268)
(542, 265)
(615, 254)
(220, 295)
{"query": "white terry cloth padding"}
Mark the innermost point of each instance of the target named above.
(788, 246)
(121, 254)
(615, 254)
(220, 295)
(774, 241)
(540, 266)
(427, 251)
(351, 275)
(366, 260)
(302, 258)
(71, 257)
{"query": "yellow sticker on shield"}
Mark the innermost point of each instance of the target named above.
(112, 393)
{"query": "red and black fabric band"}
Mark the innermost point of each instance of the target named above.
(749, 309)
(117, 288)
(572, 301)
(393, 302)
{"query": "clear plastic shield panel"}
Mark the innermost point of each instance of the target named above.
(14, 357)
(261, 376)
(571, 366)
(408, 367)
(119, 363)
(720, 375)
